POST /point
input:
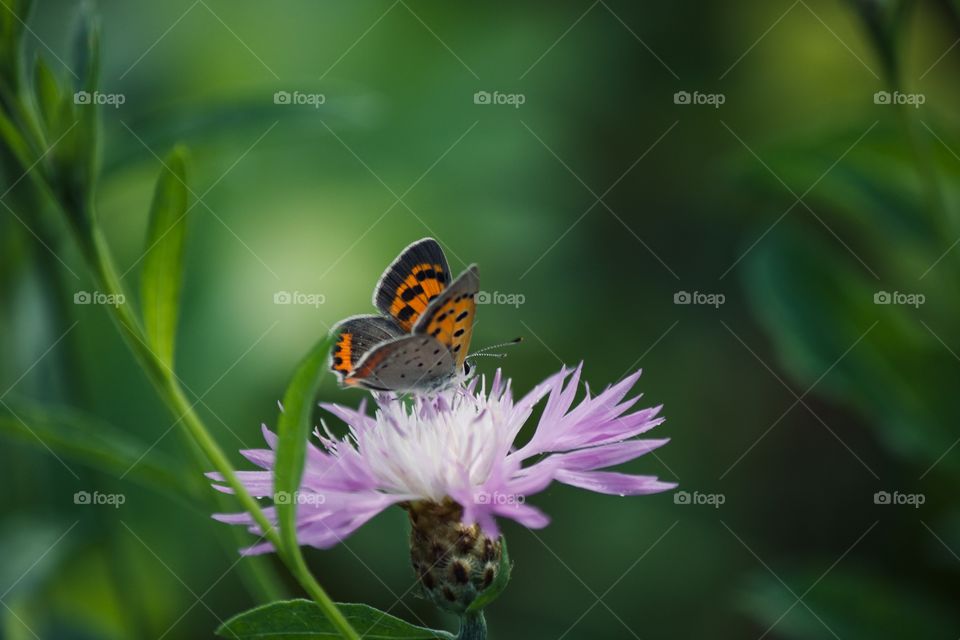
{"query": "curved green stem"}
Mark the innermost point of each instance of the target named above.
(172, 393)
(97, 254)
(78, 211)
(293, 558)
(166, 382)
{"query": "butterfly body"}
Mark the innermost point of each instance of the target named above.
(420, 340)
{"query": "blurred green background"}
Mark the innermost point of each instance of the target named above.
(798, 199)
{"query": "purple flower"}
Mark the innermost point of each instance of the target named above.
(459, 447)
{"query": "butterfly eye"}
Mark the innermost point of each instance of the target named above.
(467, 368)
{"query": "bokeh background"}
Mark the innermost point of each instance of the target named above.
(589, 207)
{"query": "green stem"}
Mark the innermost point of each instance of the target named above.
(919, 141)
(929, 173)
(293, 558)
(473, 626)
(166, 383)
(82, 221)
(172, 393)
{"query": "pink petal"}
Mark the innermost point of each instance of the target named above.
(528, 516)
(606, 455)
(612, 483)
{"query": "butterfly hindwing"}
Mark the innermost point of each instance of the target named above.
(408, 286)
(356, 336)
(449, 319)
(408, 363)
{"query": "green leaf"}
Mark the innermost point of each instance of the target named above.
(13, 16)
(293, 427)
(162, 277)
(812, 281)
(87, 49)
(78, 152)
(48, 97)
(75, 436)
(492, 592)
(304, 620)
(13, 140)
(819, 308)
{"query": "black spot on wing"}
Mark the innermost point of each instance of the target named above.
(426, 252)
(411, 293)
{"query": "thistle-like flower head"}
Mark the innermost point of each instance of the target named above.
(459, 449)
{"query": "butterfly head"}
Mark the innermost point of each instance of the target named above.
(468, 371)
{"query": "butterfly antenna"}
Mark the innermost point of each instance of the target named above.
(485, 351)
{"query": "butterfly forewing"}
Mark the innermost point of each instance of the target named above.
(408, 286)
(357, 335)
(449, 319)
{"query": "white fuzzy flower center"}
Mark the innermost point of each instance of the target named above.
(429, 454)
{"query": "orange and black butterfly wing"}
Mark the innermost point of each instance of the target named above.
(355, 337)
(414, 280)
(449, 319)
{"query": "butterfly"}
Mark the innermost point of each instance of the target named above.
(420, 339)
